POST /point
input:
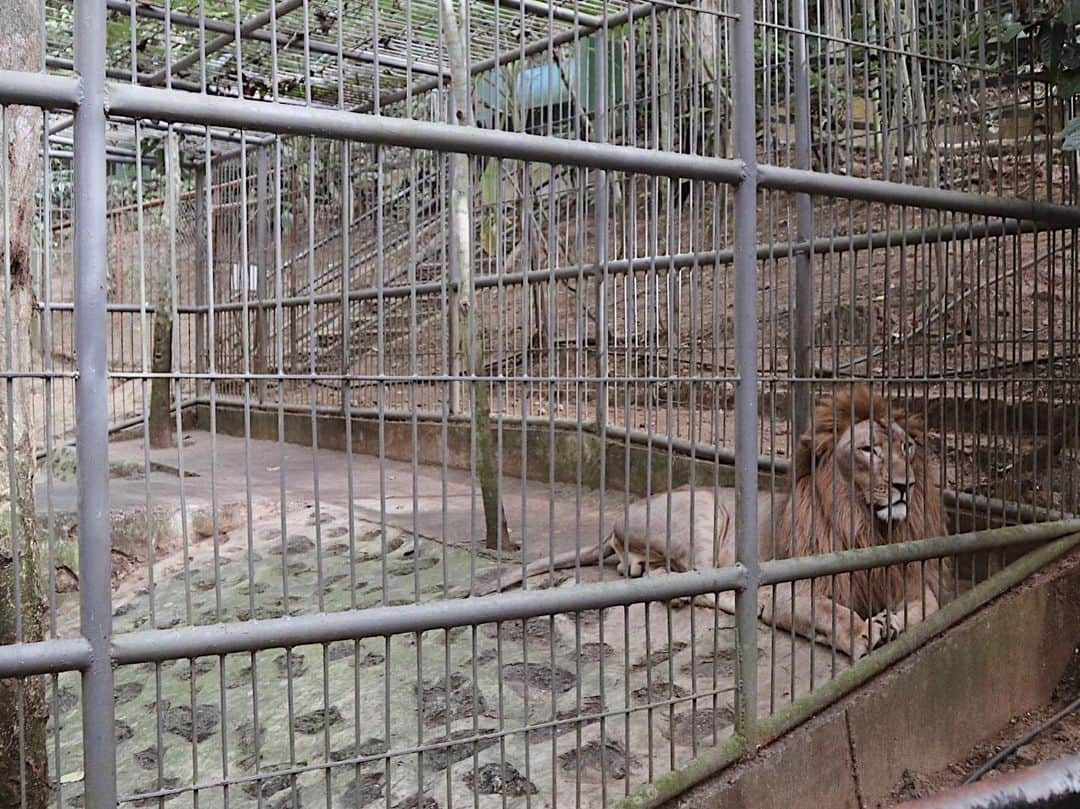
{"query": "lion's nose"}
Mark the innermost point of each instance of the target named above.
(902, 488)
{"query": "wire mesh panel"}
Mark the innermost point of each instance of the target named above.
(427, 404)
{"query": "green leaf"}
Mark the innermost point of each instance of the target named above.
(1012, 31)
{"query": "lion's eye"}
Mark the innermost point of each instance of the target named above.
(867, 449)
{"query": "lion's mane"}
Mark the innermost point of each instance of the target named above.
(827, 519)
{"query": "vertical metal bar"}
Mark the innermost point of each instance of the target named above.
(91, 396)
(262, 259)
(746, 407)
(804, 233)
(601, 136)
(200, 281)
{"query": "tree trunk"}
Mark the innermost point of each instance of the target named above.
(161, 433)
(161, 428)
(22, 771)
(461, 238)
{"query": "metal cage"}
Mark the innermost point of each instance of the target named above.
(449, 288)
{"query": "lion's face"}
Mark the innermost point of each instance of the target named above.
(876, 459)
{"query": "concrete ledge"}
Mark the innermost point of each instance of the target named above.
(925, 711)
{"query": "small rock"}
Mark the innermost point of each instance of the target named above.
(198, 727)
(442, 757)
(290, 800)
(292, 664)
(660, 655)
(700, 723)
(201, 666)
(912, 786)
(536, 675)
(147, 758)
(363, 790)
(660, 691)
(451, 699)
(617, 763)
(1026, 755)
(592, 652)
(125, 692)
(368, 747)
(493, 779)
(315, 721)
(415, 802)
(268, 785)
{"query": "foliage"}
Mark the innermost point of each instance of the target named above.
(1043, 39)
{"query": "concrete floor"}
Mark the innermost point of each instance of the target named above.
(569, 710)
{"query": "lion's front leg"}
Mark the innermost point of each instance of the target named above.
(920, 605)
(817, 618)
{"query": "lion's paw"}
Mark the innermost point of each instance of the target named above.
(882, 628)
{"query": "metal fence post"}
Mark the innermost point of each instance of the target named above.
(601, 335)
(804, 230)
(746, 406)
(200, 282)
(92, 405)
(262, 259)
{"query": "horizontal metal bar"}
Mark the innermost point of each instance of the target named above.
(796, 568)
(1051, 785)
(114, 73)
(118, 308)
(59, 154)
(839, 185)
(171, 105)
(44, 657)
(248, 636)
(39, 90)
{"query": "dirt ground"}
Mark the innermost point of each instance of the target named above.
(1060, 739)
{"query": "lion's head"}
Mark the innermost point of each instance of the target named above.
(874, 451)
(862, 477)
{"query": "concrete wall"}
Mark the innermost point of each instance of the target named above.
(923, 713)
(531, 450)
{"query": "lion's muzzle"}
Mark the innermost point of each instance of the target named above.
(897, 509)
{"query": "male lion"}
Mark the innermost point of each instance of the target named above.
(862, 478)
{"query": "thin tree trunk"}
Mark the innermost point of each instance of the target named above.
(23, 709)
(461, 236)
(161, 428)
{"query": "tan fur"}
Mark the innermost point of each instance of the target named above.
(838, 488)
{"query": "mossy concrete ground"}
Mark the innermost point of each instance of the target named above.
(610, 700)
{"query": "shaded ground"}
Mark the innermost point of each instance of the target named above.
(535, 713)
(1061, 739)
